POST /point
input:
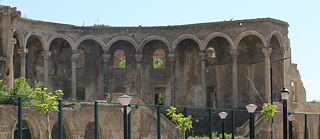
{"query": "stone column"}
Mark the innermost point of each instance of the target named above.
(172, 57)
(10, 61)
(234, 54)
(46, 55)
(23, 53)
(105, 58)
(74, 57)
(139, 69)
(203, 75)
(267, 52)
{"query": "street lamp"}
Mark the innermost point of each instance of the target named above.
(125, 101)
(251, 108)
(284, 97)
(290, 118)
(223, 116)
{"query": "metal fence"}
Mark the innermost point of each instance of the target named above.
(101, 119)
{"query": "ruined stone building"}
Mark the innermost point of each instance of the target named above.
(226, 64)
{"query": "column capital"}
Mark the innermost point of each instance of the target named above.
(267, 51)
(172, 57)
(74, 57)
(105, 58)
(13, 41)
(203, 56)
(46, 54)
(234, 53)
(22, 51)
(138, 57)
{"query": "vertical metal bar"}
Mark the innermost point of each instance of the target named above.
(125, 128)
(60, 118)
(185, 113)
(96, 118)
(129, 123)
(158, 122)
(306, 126)
(20, 107)
(222, 128)
(233, 124)
(285, 123)
(210, 123)
(290, 129)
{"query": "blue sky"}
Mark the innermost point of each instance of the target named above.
(302, 16)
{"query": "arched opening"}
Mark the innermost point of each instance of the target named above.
(90, 131)
(16, 58)
(156, 72)
(26, 131)
(34, 60)
(251, 67)
(60, 66)
(89, 70)
(55, 131)
(122, 80)
(277, 67)
(119, 59)
(188, 74)
(219, 73)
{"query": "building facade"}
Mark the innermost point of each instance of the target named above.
(220, 65)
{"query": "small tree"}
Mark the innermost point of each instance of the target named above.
(182, 122)
(268, 111)
(46, 103)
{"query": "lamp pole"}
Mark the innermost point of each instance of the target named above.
(125, 101)
(251, 108)
(284, 96)
(223, 116)
(290, 118)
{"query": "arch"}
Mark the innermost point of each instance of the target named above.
(62, 36)
(38, 35)
(33, 125)
(20, 37)
(89, 37)
(183, 37)
(152, 38)
(217, 34)
(119, 38)
(278, 35)
(247, 33)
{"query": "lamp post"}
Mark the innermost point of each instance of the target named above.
(251, 108)
(284, 97)
(125, 101)
(290, 118)
(223, 116)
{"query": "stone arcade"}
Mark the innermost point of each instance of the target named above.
(219, 65)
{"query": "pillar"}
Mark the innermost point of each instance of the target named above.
(267, 52)
(203, 76)
(46, 55)
(23, 53)
(74, 57)
(105, 58)
(234, 54)
(10, 61)
(172, 57)
(139, 71)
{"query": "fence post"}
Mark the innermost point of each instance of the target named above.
(158, 122)
(233, 123)
(185, 114)
(60, 118)
(210, 123)
(129, 123)
(96, 130)
(306, 126)
(20, 107)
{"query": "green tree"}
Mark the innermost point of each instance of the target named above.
(122, 63)
(158, 63)
(45, 103)
(268, 111)
(182, 122)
